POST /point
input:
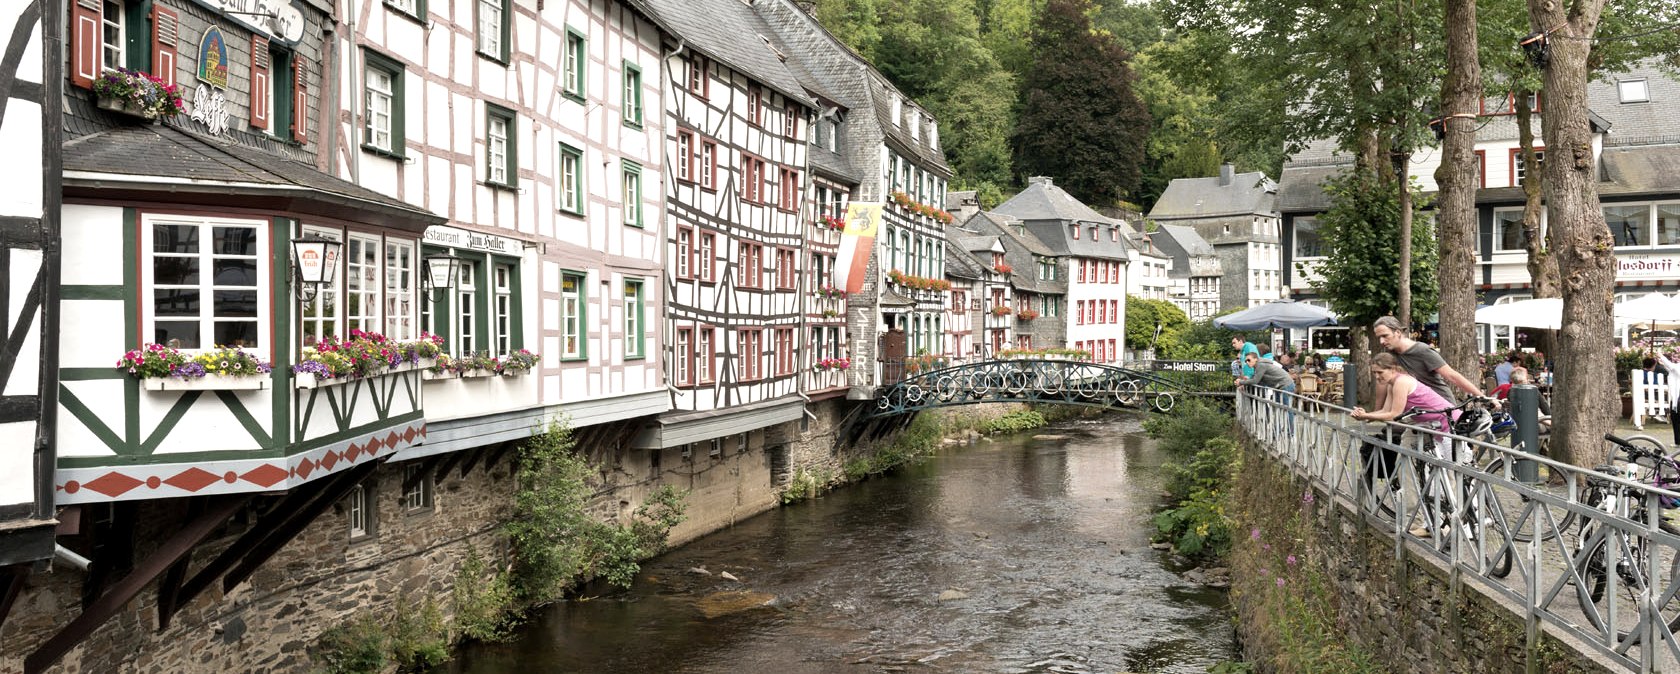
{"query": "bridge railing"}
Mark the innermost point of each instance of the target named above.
(1543, 548)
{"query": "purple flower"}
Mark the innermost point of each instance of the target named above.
(1254, 534)
(1280, 582)
(1265, 571)
(1291, 560)
(1307, 497)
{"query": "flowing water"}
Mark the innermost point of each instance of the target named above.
(1027, 554)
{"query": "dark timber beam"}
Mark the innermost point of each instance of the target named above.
(447, 465)
(14, 577)
(496, 456)
(172, 550)
(169, 587)
(335, 489)
(473, 457)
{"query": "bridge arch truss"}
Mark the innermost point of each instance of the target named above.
(1067, 382)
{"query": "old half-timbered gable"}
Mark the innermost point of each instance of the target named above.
(1036, 281)
(828, 353)
(29, 266)
(894, 148)
(535, 129)
(737, 127)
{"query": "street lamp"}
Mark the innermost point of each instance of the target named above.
(315, 264)
(441, 272)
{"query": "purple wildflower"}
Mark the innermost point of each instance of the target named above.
(1307, 497)
(1280, 582)
(1291, 560)
(1254, 534)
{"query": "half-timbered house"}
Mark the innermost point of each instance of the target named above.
(30, 126)
(1037, 281)
(894, 146)
(991, 311)
(833, 182)
(736, 123)
(536, 129)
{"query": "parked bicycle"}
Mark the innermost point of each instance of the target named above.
(1618, 554)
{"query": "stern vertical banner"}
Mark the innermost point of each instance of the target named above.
(857, 243)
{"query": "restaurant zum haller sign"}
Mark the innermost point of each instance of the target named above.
(277, 20)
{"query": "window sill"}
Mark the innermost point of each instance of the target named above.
(388, 154)
(636, 225)
(398, 11)
(498, 60)
(209, 382)
(505, 187)
(575, 359)
(573, 96)
(632, 124)
(575, 214)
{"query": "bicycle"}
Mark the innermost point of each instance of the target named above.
(1597, 539)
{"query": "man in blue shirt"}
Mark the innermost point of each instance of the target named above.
(1245, 347)
(1502, 373)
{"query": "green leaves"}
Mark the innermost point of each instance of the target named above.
(1362, 232)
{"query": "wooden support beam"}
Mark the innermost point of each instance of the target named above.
(276, 518)
(169, 587)
(173, 548)
(13, 577)
(446, 465)
(473, 457)
(496, 456)
(334, 490)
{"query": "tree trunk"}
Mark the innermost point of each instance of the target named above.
(1455, 222)
(1359, 353)
(1542, 269)
(1403, 183)
(1585, 252)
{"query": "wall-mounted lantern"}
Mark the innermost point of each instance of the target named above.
(315, 264)
(441, 272)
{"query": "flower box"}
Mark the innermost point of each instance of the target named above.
(209, 382)
(477, 372)
(428, 375)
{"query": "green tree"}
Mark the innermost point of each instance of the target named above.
(1359, 277)
(1080, 120)
(1179, 145)
(855, 22)
(1143, 316)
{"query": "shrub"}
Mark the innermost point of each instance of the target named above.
(484, 600)
(1019, 420)
(418, 639)
(1190, 425)
(356, 647)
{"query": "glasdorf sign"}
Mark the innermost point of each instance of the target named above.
(1638, 266)
(277, 19)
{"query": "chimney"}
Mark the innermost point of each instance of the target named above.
(964, 205)
(1036, 180)
(1227, 173)
(810, 6)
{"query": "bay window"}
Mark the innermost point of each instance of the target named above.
(399, 290)
(206, 282)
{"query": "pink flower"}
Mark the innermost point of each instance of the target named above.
(1280, 582)
(1291, 560)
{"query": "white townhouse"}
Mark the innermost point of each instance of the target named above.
(1094, 257)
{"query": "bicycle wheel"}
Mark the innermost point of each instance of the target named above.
(1632, 582)
(1518, 524)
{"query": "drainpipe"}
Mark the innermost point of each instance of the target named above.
(67, 556)
(52, 200)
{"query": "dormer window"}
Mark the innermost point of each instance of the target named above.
(1074, 231)
(1633, 91)
(915, 125)
(933, 134)
(1114, 234)
(897, 111)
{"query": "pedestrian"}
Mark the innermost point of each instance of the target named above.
(1419, 361)
(1502, 373)
(1400, 391)
(1673, 369)
(1243, 348)
(1267, 374)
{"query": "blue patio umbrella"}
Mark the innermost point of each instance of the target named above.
(1279, 314)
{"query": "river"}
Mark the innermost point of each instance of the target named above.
(1021, 554)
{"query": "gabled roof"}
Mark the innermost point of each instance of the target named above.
(977, 244)
(1005, 227)
(831, 163)
(1246, 194)
(730, 33)
(1043, 200)
(960, 264)
(1186, 238)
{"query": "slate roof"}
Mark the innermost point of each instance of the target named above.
(1043, 200)
(1185, 238)
(831, 163)
(731, 33)
(1192, 255)
(974, 244)
(165, 151)
(1248, 194)
(960, 264)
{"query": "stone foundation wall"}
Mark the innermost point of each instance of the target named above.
(1406, 614)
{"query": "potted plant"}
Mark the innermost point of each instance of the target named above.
(1001, 311)
(1026, 314)
(520, 362)
(137, 94)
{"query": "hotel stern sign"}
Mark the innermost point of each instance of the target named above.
(280, 20)
(453, 237)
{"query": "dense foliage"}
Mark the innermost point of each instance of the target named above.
(1200, 443)
(1362, 230)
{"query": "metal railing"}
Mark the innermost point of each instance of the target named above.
(1604, 570)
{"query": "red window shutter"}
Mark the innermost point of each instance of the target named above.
(85, 29)
(260, 84)
(166, 29)
(300, 99)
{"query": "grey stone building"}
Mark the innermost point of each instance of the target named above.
(1237, 214)
(1196, 270)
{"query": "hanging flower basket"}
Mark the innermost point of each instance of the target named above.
(137, 94)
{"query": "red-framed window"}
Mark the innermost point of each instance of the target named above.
(684, 365)
(1101, 355)
(750, 353)
(1114, 310)
(789, 196)
(786, 269)
(1516, 164)
(753, 182)
(790, 122)
(755, 105)
(1075, 230)
(751, 265)
(685, 156)
(705, 263)
(1481, 168)
(708, 169)
(705, 350)
(699, 83)
(1081, 271)
(685, 252)
(957, 301)
(1102, 312)
(1079, 313)
(1113, 350)
(784, 351)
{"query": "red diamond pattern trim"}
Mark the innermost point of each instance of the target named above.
(304, 468)
(351, 452)
(113, 484)
(391, 439)
(192, 479)
(266, 475)
(373, 446)
(328, 461)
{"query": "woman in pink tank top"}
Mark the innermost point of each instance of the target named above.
(1404, 393)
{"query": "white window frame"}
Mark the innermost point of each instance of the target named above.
(400, 275)
(310, 313)
(491, 15)
(572, 193)
(109, 19)
(362, 287)
(463, 322)
(572, 306)
(1642, 95)
(379, 130)
(496, 149)
(418, 496)
(206, 284)
(501, 310)
(357, 512)
(635, 306)
(574, 63)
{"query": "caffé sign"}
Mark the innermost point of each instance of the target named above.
(276, 19)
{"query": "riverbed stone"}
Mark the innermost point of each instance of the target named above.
(952, 595)
(728, 576)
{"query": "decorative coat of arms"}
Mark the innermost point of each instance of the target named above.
(213, 58)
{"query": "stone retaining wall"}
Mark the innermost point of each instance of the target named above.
(1405, 613)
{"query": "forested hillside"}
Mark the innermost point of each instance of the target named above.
(1099, 95)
